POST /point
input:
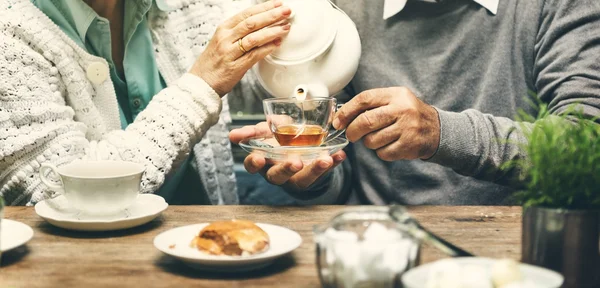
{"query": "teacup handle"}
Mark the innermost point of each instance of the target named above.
(336, 133)
(56, 186)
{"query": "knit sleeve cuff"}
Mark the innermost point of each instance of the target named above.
(456, 131)
(201, 93)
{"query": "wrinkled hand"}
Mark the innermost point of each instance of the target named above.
(391, 121)
(292, 172)
(223, 63)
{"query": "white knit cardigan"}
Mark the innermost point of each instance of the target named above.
(51, 112)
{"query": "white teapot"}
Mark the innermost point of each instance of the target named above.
(319, 56)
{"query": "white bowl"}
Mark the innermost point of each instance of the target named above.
(417, 277)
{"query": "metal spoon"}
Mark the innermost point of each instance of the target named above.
(412, 226)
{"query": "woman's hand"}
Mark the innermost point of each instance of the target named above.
(224, 61)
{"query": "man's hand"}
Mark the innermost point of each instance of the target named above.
(293, 171)
(392, 121)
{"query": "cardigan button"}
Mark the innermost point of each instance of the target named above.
(97, 72)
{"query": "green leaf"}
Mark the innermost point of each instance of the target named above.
(562, 169)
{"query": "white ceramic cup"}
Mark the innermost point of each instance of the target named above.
(96, 187)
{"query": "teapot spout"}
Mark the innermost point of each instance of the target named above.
(309, 91)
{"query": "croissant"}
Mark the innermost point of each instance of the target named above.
(235, 237)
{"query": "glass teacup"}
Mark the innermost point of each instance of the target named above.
(301, 122)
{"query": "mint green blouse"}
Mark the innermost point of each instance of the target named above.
(141, 80)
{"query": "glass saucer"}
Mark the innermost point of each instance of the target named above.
(270, 149)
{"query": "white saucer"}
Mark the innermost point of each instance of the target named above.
(282, 242)
(13, 234)
(58, 212)
(544, 278)
(270, 149)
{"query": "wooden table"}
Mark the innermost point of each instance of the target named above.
(60, 258)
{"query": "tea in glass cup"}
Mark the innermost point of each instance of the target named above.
(292, 135)
(301, 122)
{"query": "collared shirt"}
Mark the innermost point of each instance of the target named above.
(393, 7)
(141, 80)
(83, 25)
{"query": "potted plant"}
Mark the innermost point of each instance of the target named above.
(561, 197)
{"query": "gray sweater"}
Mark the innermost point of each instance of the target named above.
(476, 69)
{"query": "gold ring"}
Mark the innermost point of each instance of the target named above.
(241, 46)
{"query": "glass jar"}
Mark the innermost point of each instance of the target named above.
(364, 247)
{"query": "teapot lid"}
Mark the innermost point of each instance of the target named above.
(313, 29)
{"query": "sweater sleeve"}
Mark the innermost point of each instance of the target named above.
(567, 71)
(39, 123)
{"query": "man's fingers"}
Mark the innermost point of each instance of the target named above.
(253, 163)
(362, 102)
(380, 138)
(312, 172)
(280, 173)
(370, 121)
(400, 149)
(338, 157)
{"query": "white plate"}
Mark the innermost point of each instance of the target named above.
(58, 212)
(270, 149)
(417, 277)
(282, 241)
(13, 234)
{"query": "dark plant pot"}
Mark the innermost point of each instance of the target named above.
(566, 241)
